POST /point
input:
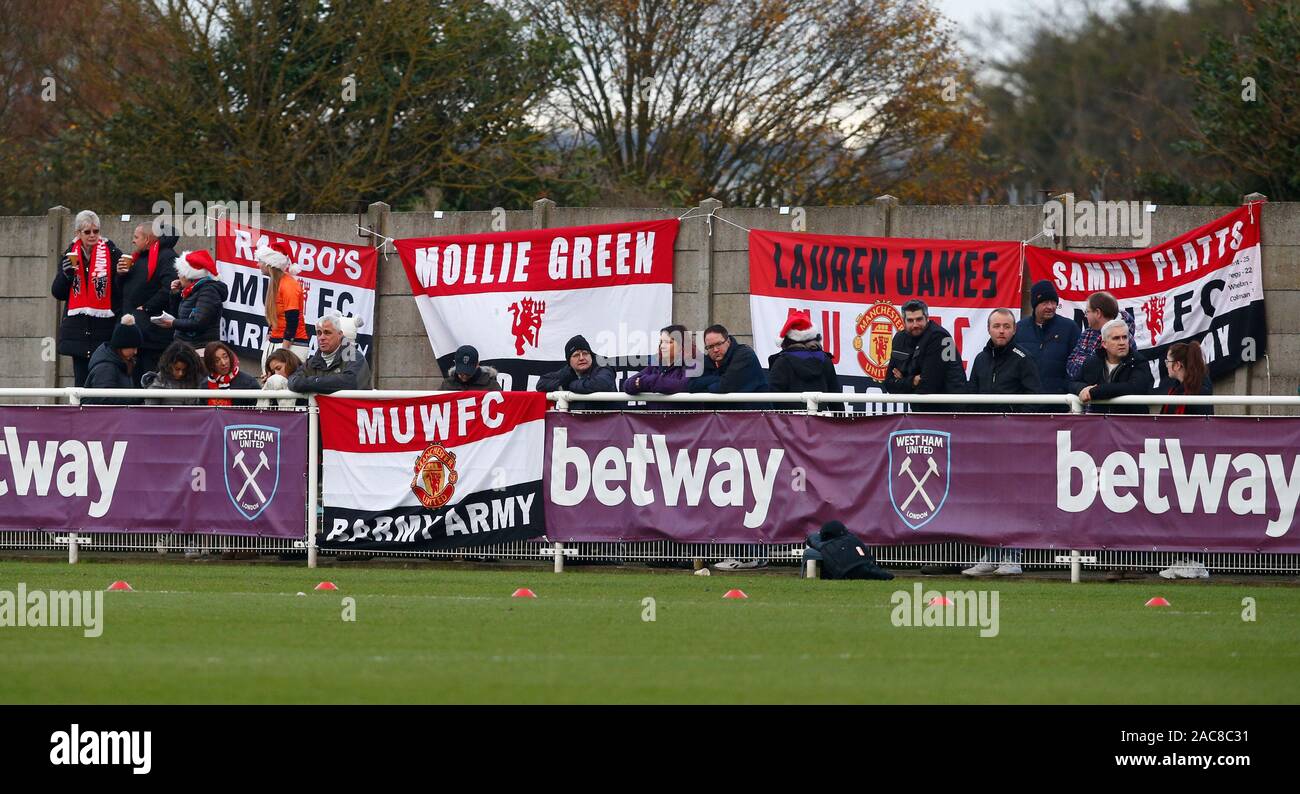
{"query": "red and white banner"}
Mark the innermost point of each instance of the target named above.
(336, 277)
(855, 288)
(432, 472)
(519, 296)
(1206, 285)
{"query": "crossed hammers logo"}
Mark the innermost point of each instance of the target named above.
(251, 477)
(931, 468)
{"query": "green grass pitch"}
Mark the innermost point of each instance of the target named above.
(214, 633)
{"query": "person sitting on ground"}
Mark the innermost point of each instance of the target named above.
(223, 373)
(280, 366)
(467, 375)
(338, 364)
(802, 365)
(111, 365)
(1113, 372)
(581, 375)
(179, 367)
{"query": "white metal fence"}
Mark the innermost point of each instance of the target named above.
(953, 555)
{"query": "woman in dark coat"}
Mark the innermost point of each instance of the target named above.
(86, 281)
(1186, 365)
(223, 373)
(179, 367)
(802, 365)
(196, 300)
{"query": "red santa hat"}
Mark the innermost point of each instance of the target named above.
(278, 255)
(194, 265)
(798, 327)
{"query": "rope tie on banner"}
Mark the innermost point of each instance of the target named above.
(386, 240)
(709, 216)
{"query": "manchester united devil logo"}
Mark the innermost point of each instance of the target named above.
(435, 476)
(874, 342)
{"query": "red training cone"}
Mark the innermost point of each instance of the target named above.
(940, 601)
(735, 594)
(1157, 602)
(523, 592)
(327, 586)
(121, 585)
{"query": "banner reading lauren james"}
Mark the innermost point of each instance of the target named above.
(1172, 483)
(231, 472)
(855, 287)
(519, 296)
(432, 472)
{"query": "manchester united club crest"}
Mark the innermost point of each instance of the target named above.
(874, 342)
(435, 476)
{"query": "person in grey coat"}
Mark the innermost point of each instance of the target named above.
(337, 365)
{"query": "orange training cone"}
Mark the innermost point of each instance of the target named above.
(735, 594)
(523, 592)
(940, 601)
(1157, 602)
(327, 586)
(121, 585)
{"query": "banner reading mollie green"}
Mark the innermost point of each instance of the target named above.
(1169, 484)
(100, 469)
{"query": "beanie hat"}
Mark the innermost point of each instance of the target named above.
(575, 344)
(194, 265)
(125, 334)
(1042, 291)
(834, 529)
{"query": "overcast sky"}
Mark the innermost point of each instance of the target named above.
(969, 15)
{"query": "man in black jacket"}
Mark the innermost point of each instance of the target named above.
(580, 375)
(146, 291)
(1002, 367)
(730, 368)
(1114, 372)
(110, 366)
(924, 358)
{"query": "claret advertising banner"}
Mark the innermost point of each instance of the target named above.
(855, 288)
(519, 296)
(103, 469)
(1169, 483)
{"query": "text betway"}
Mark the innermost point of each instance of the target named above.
(651, 472)
(1198, 481)
(70, 466)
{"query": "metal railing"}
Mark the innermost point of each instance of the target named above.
(697, 554)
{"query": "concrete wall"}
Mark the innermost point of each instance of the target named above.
(711, 270)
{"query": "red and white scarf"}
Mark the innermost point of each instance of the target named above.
(223, 382)
(92, 283)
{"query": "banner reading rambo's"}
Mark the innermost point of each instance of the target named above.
(519, 296)
(336, 277)
(1086, 482)
(1206, 285)
(220, 471)
(855, 288)
(432, 472)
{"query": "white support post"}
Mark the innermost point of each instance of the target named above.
(1076, 561)
(813, 406)
(313, 452)
(74, 550)
(559, 557)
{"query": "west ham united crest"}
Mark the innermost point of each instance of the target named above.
(919, 464)
(252, 466)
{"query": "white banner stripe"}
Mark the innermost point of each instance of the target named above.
(381, 481)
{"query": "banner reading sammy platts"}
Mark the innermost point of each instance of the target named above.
(519, 296)
(432, 472)
(336, 277)
(1205, 285)
(855, 287)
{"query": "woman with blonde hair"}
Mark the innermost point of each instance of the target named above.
(286, 302)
